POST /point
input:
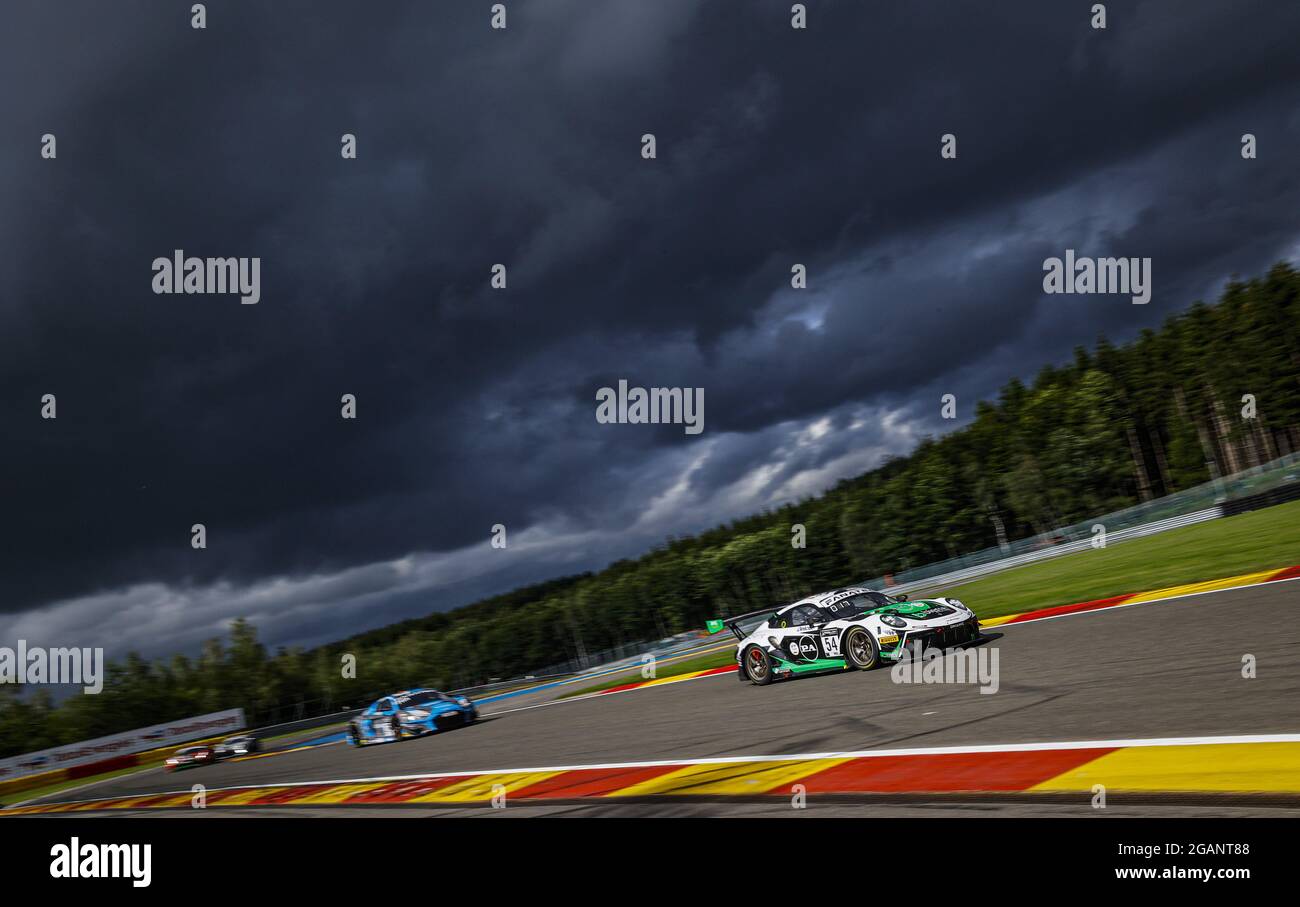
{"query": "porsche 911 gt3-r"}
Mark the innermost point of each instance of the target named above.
(848, 629)
(410, 713)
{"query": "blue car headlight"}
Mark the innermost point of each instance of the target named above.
(463, 702)
(415, 715)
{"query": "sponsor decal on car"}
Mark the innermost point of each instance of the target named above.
(803, 647)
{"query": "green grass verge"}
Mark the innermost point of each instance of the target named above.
(1259, 540)
(699, 663)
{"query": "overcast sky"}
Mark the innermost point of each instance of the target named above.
(477, 406)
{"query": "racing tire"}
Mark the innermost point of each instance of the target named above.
(396, 724)
(757, 666)
(860, 650)
(354, 737)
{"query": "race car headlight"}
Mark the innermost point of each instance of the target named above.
(890, 620)
(415, 714)
(463, 701)
(958, 603)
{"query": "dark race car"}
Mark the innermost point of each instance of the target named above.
(189, 757)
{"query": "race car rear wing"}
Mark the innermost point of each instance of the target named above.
(717, 625)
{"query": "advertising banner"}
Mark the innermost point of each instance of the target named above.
(73, 754)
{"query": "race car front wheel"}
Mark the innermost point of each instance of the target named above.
(758, 667)
(354, 739)
(860, 652)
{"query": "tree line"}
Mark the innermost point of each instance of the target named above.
(1115, 426)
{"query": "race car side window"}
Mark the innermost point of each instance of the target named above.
(806, 615)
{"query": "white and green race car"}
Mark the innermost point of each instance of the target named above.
(847, 629)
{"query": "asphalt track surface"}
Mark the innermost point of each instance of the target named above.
(1162, 669)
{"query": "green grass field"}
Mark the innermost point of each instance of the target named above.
(1259, 540)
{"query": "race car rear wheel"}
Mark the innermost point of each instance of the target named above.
(860, 651)
(758, 667)
(354, 738)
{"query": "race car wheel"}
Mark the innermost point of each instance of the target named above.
(354, 739)
(396, 725)
(860, 652)
(758, 667)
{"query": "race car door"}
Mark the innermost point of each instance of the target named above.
(383, 721)
(801, 638)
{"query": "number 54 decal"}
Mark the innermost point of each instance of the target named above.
(831, 644)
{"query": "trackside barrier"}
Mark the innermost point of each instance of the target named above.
(1270, 498)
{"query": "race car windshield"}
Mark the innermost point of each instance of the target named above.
(421, 699)
(856, 604)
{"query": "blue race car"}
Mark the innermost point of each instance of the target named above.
(410, 713)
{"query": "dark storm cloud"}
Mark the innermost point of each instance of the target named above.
(522, 147)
